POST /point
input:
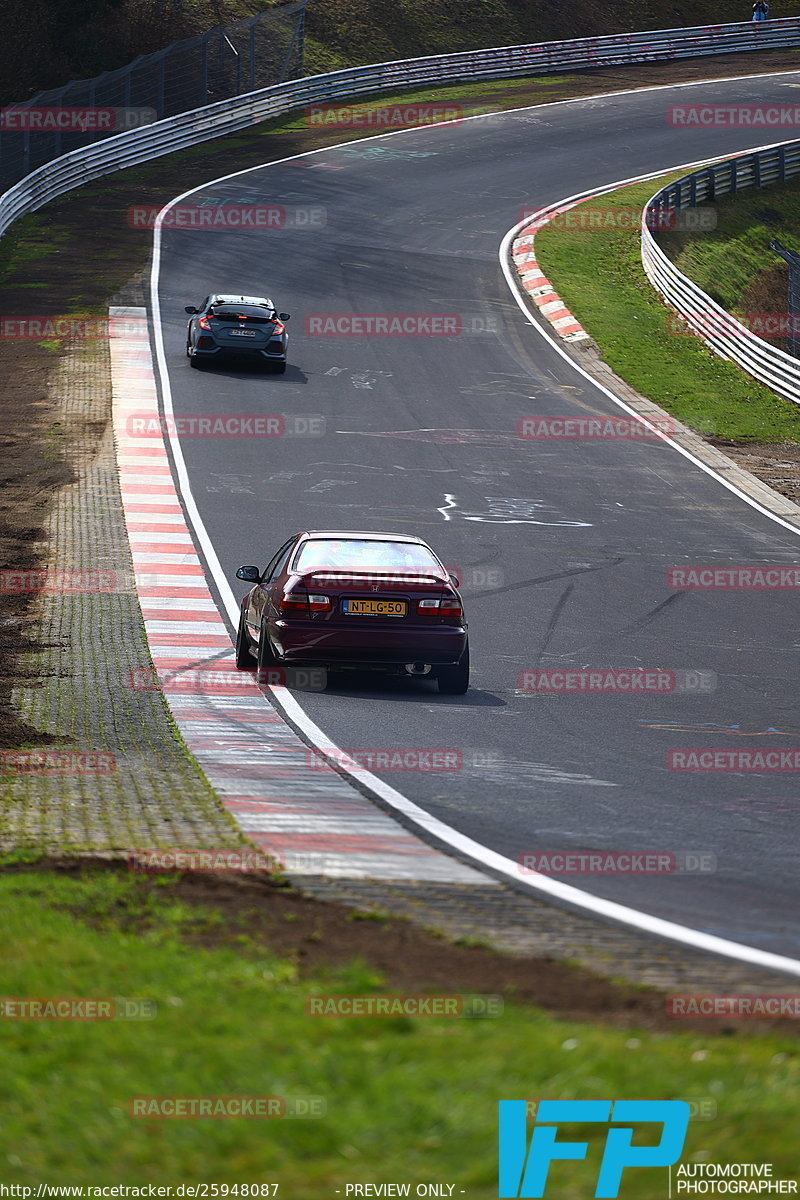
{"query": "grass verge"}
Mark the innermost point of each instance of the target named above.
(733, 263)
(598, 272)
(231, 1019)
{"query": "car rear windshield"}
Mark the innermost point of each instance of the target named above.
(230, 312)
(321, 554)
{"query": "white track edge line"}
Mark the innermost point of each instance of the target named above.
(445, 833)
(521, 297)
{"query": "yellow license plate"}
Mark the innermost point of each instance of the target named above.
(375, 608)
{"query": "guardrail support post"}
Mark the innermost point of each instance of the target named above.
(793, 259)
(162, 87)
(204, 84)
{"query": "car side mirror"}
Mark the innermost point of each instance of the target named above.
(284, 316)
(191, 309)
(249, 574)
(453, 579)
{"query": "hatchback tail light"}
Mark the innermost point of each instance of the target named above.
(305, 602)
(279, 328)
(204, 322)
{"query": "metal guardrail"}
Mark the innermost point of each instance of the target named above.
(225, 61)
(187, 129)
(725, 335)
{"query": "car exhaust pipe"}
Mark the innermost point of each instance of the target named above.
(418, 668)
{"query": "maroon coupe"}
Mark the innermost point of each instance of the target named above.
(365, 601)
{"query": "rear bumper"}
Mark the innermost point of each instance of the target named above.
(241, 352)
(299, 643)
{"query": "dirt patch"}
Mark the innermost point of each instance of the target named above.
(777, 464)
(32, 467)
(80, 251)
(259, 912)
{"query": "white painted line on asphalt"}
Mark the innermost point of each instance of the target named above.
(450, 837)
(520, 297)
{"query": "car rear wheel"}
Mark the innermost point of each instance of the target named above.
(245, 659)
(278, 368)
(195, 362)
(454, 681)
(266, 656)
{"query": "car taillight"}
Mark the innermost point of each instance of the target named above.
(203, 322)
(279, 328)
(448, 606)
(305, 602)
(451, 607)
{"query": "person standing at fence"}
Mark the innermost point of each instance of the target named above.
(760, 10)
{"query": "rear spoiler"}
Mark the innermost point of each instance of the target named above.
(401, 576)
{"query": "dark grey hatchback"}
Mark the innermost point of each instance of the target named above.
(228, 326)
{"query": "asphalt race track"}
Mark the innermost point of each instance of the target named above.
(564, 545)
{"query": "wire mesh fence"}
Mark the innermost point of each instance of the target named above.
(227, 61)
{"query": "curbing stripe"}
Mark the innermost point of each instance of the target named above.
(541, 291)
(473, 851)
(314, 821)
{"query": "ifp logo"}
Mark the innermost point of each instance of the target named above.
(524, 1170)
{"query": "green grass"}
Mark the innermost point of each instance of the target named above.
(34, 243)
(460, 94)
(725, 261)
(599, 275)
(406, 1099)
